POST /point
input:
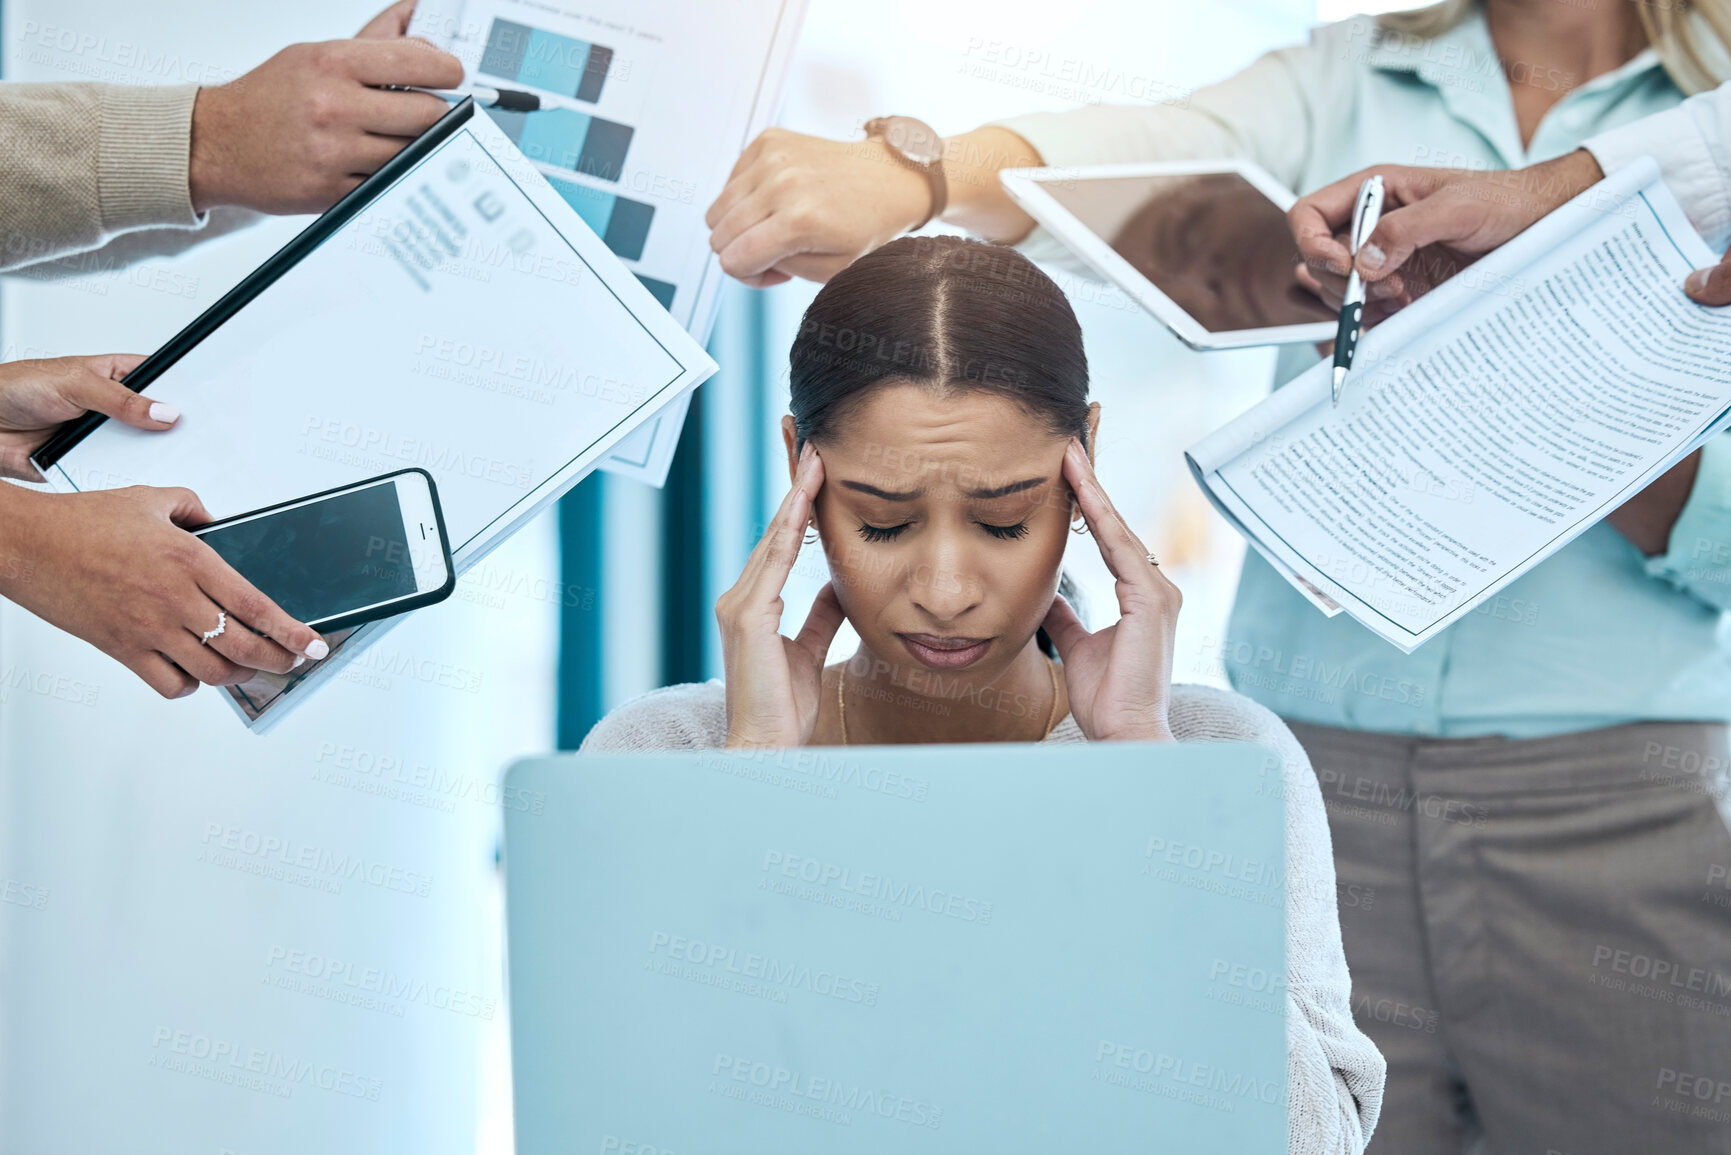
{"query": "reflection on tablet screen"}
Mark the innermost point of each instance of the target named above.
(1211, 241)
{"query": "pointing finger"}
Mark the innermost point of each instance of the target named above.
(775, 553)
(1123, 552)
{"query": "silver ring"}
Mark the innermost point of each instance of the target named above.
(222, 624)
(1153, 561)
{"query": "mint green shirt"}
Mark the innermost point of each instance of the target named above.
(1595, 636)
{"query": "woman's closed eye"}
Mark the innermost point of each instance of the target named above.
(1005, 532)
(883, 533)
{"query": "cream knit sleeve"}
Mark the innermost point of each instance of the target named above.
(87, 162)
(687, 717)
(1334, 1073)
(1268, 113)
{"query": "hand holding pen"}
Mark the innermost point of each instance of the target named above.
(1365, 214)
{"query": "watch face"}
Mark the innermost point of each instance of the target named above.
(914, 139)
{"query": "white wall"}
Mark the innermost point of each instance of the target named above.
(107, 799)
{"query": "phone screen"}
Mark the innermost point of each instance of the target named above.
(327, 557)
(1212, 242)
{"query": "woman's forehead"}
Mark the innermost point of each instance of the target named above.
(908, 430)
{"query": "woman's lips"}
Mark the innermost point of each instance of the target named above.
(942, 653)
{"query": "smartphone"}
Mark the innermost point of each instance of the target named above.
(345, 556)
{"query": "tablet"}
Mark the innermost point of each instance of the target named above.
(1202, 245)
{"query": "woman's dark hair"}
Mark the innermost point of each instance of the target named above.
(949, 312)
(945, 311)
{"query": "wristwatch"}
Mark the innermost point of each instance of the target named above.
(917, 145)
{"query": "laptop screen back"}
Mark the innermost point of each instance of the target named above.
(912, 949)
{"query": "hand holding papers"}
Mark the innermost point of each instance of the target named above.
(455, 313)
(1489, 423)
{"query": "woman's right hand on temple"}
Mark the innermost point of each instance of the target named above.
(803, 206)
(774, 684)
(116, 568)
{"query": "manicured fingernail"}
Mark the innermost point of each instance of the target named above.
(318, 650)
(163, 412)
(188, 692)
(1370, 258)
(1696, 284)
(300, 660)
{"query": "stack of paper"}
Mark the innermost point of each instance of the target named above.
(1489, 423)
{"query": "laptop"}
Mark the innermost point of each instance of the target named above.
(992, 948)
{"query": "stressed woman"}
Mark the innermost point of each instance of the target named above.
(940, 443)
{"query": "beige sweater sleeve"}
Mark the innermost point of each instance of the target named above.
(86, 162)
(1267, 114)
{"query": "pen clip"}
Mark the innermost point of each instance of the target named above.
(1366, 212)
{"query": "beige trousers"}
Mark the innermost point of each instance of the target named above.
(1539, 933)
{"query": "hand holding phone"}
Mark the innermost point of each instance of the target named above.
(117, 568)
(355, 554)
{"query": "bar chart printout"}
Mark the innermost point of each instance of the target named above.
(545, 60)
(622, 223)
(568, 139)
(624, 135)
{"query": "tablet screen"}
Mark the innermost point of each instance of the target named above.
(1212, 242)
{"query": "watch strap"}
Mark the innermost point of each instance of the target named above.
(933, 171)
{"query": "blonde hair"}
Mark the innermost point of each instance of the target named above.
(1692, 37)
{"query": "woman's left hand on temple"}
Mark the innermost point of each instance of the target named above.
(1120, 678)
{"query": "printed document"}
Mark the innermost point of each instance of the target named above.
(1490, 422)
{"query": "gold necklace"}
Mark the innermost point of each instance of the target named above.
(841, 702)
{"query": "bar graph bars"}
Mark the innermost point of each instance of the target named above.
(568, 139)
(662, 291)
(623, 224)
(564, 138)
(546, 60)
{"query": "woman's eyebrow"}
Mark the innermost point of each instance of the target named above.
(885, 494)
(1005, 490)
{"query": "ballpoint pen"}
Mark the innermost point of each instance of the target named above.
(1365, 214)
(504, 99)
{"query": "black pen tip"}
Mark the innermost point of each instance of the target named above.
(511, 100)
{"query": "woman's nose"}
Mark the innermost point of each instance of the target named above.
(943, 586)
